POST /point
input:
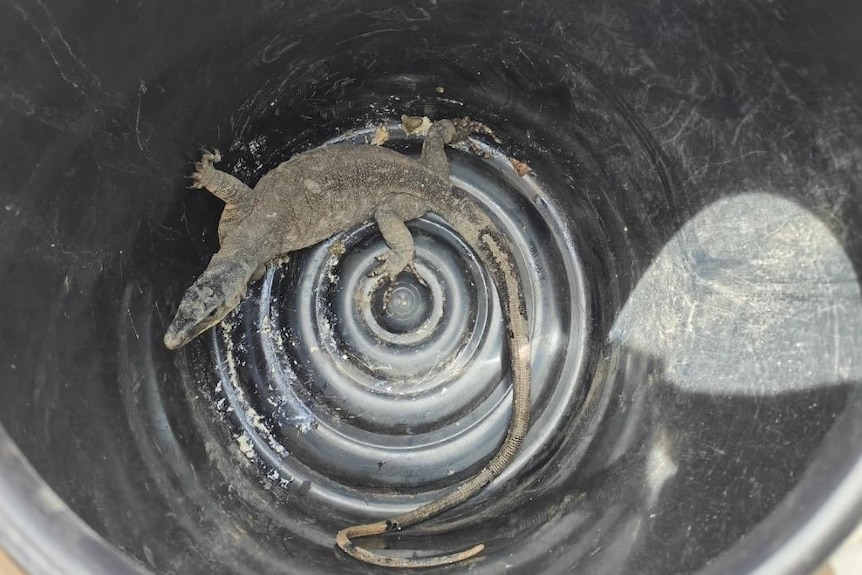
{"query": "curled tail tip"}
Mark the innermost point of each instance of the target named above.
(342, 539)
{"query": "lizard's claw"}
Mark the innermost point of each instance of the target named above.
(210, 156)
(196, 179)
(478, 151)
(412, 267)
(464, 127)
(388, 269)
(204, 169)
(392, 264)
(477, 127)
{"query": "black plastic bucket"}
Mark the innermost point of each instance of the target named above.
(690, 233)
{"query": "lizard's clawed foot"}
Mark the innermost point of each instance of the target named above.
(204, 169)
(388, 271)
(392, 265)
(464, 127)
(412, 267)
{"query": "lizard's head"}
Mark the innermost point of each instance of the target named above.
(207, 302)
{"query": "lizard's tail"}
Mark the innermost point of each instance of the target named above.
(343, 541)
(494, 252)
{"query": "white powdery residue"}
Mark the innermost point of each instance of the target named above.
(251, 416)
(327, 335)
(270, 333)
(255, 419)
(274, 475)
(257, 423)
(294, 410)
(229, 359)
(304, 427)
(290, 406)
(255, 144)
(246, 446)
(266, 326)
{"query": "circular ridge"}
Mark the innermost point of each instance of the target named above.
(329, 393)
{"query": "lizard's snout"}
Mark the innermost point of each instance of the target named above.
(176, 337)
(183, 329)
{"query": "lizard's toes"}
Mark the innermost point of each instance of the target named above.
(210, 157)
(196, 179)
(387, 297)
(383, 271)
(417, 275)
(386, 271)
(391, 265)
(477, 150)
(463, 128)
(477, 127)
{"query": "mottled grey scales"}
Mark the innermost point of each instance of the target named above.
(319, 193)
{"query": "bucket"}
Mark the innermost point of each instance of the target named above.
(680, 188)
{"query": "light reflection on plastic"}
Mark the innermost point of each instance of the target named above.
(754, 295)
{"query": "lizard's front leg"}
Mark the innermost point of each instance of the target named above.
(237, 197)
(220, 184)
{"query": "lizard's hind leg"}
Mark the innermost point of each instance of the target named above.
(390, 220)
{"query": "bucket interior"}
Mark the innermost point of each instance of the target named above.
(688, 230)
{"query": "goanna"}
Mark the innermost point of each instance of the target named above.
(319, 193)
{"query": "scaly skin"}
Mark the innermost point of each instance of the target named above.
(319, 193)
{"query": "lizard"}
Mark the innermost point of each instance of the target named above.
(321, 192)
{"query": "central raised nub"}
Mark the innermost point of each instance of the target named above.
(409, 305)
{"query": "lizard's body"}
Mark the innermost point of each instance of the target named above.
(317, 194)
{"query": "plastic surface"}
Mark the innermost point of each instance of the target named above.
(690, 234)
